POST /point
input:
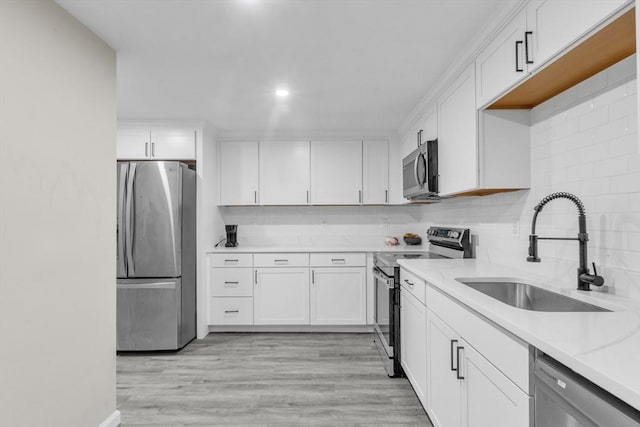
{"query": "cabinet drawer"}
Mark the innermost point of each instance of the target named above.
(413, 284)
(338, 260)
(232, 260)
(282, 260)
(505, 351)
(232, 282)
(232, 311)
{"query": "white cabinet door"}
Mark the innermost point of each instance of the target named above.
(338, 296)
(375, 173)
(336, 172)
(503, 62)
(284, 172)
(457, 139)
(445, 390)
(413, 353)
(558, 23)
(173, 143)
(490, 398)
(239, 173)
(281, 296)
(133, 143)
(430, 125)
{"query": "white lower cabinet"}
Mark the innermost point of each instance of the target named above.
(464, 388)
(281, 296)
(232, 311)
(490, 398)
(413, 343)
(443, 387)
(338, 296)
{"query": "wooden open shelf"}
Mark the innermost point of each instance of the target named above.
(611, 44)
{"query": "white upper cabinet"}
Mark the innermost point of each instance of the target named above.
(375, 172)
(457, 142)
(173, 143)
(142, 142)
(430, 129)
(555, 24)
(336, 172)
(504, 61)
(239, 173)
(533, 38)
(284, 172)
(480, 152)
(133, 142)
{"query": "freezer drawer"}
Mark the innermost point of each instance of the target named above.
(148, 315)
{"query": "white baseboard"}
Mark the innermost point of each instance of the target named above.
(112, 421)
(293, 328)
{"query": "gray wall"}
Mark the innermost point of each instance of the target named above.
(57, 219)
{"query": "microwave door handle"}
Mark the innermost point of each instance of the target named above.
(415, 170)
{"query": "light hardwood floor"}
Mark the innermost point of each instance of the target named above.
(266, 379)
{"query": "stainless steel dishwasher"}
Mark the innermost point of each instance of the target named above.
(566, 399)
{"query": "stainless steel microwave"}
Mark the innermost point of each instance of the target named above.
(420, 172)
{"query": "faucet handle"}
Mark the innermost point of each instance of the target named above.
(597, 280)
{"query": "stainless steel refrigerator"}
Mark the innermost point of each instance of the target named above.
(156, 296)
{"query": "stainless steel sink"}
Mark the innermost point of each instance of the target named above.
(528, 297)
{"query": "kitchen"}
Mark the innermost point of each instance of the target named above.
(583, 140)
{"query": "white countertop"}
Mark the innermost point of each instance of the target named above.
(319, 245)
(602, 346)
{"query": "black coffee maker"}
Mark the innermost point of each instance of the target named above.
(232, 236)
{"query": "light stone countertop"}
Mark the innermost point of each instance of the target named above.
(343, 244)
(604, 347)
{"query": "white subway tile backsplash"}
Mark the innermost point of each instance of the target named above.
(564, 129)
(597, 117)
(627, 183)
(623, 107)
(611, 130)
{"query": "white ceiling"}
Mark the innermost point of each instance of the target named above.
(350, 65)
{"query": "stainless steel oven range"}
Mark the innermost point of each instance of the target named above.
(444, 242)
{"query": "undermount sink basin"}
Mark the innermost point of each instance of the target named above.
(528, 297)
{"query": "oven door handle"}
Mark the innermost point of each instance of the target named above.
(384, 278)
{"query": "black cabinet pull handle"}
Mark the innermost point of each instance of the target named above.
(453, 368)
(518, 44)
(458, 376)
(527, 34)
(232, 311)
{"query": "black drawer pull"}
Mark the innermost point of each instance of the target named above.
(518, 69)
(458, 376)
(232, 311)
(453, 368)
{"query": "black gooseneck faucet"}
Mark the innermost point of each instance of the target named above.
(585, 279)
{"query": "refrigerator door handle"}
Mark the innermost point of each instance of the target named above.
(129, 219)
(121, 219)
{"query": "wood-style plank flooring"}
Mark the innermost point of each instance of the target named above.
(272, 379)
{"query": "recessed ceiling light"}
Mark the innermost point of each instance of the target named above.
(282, 93)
